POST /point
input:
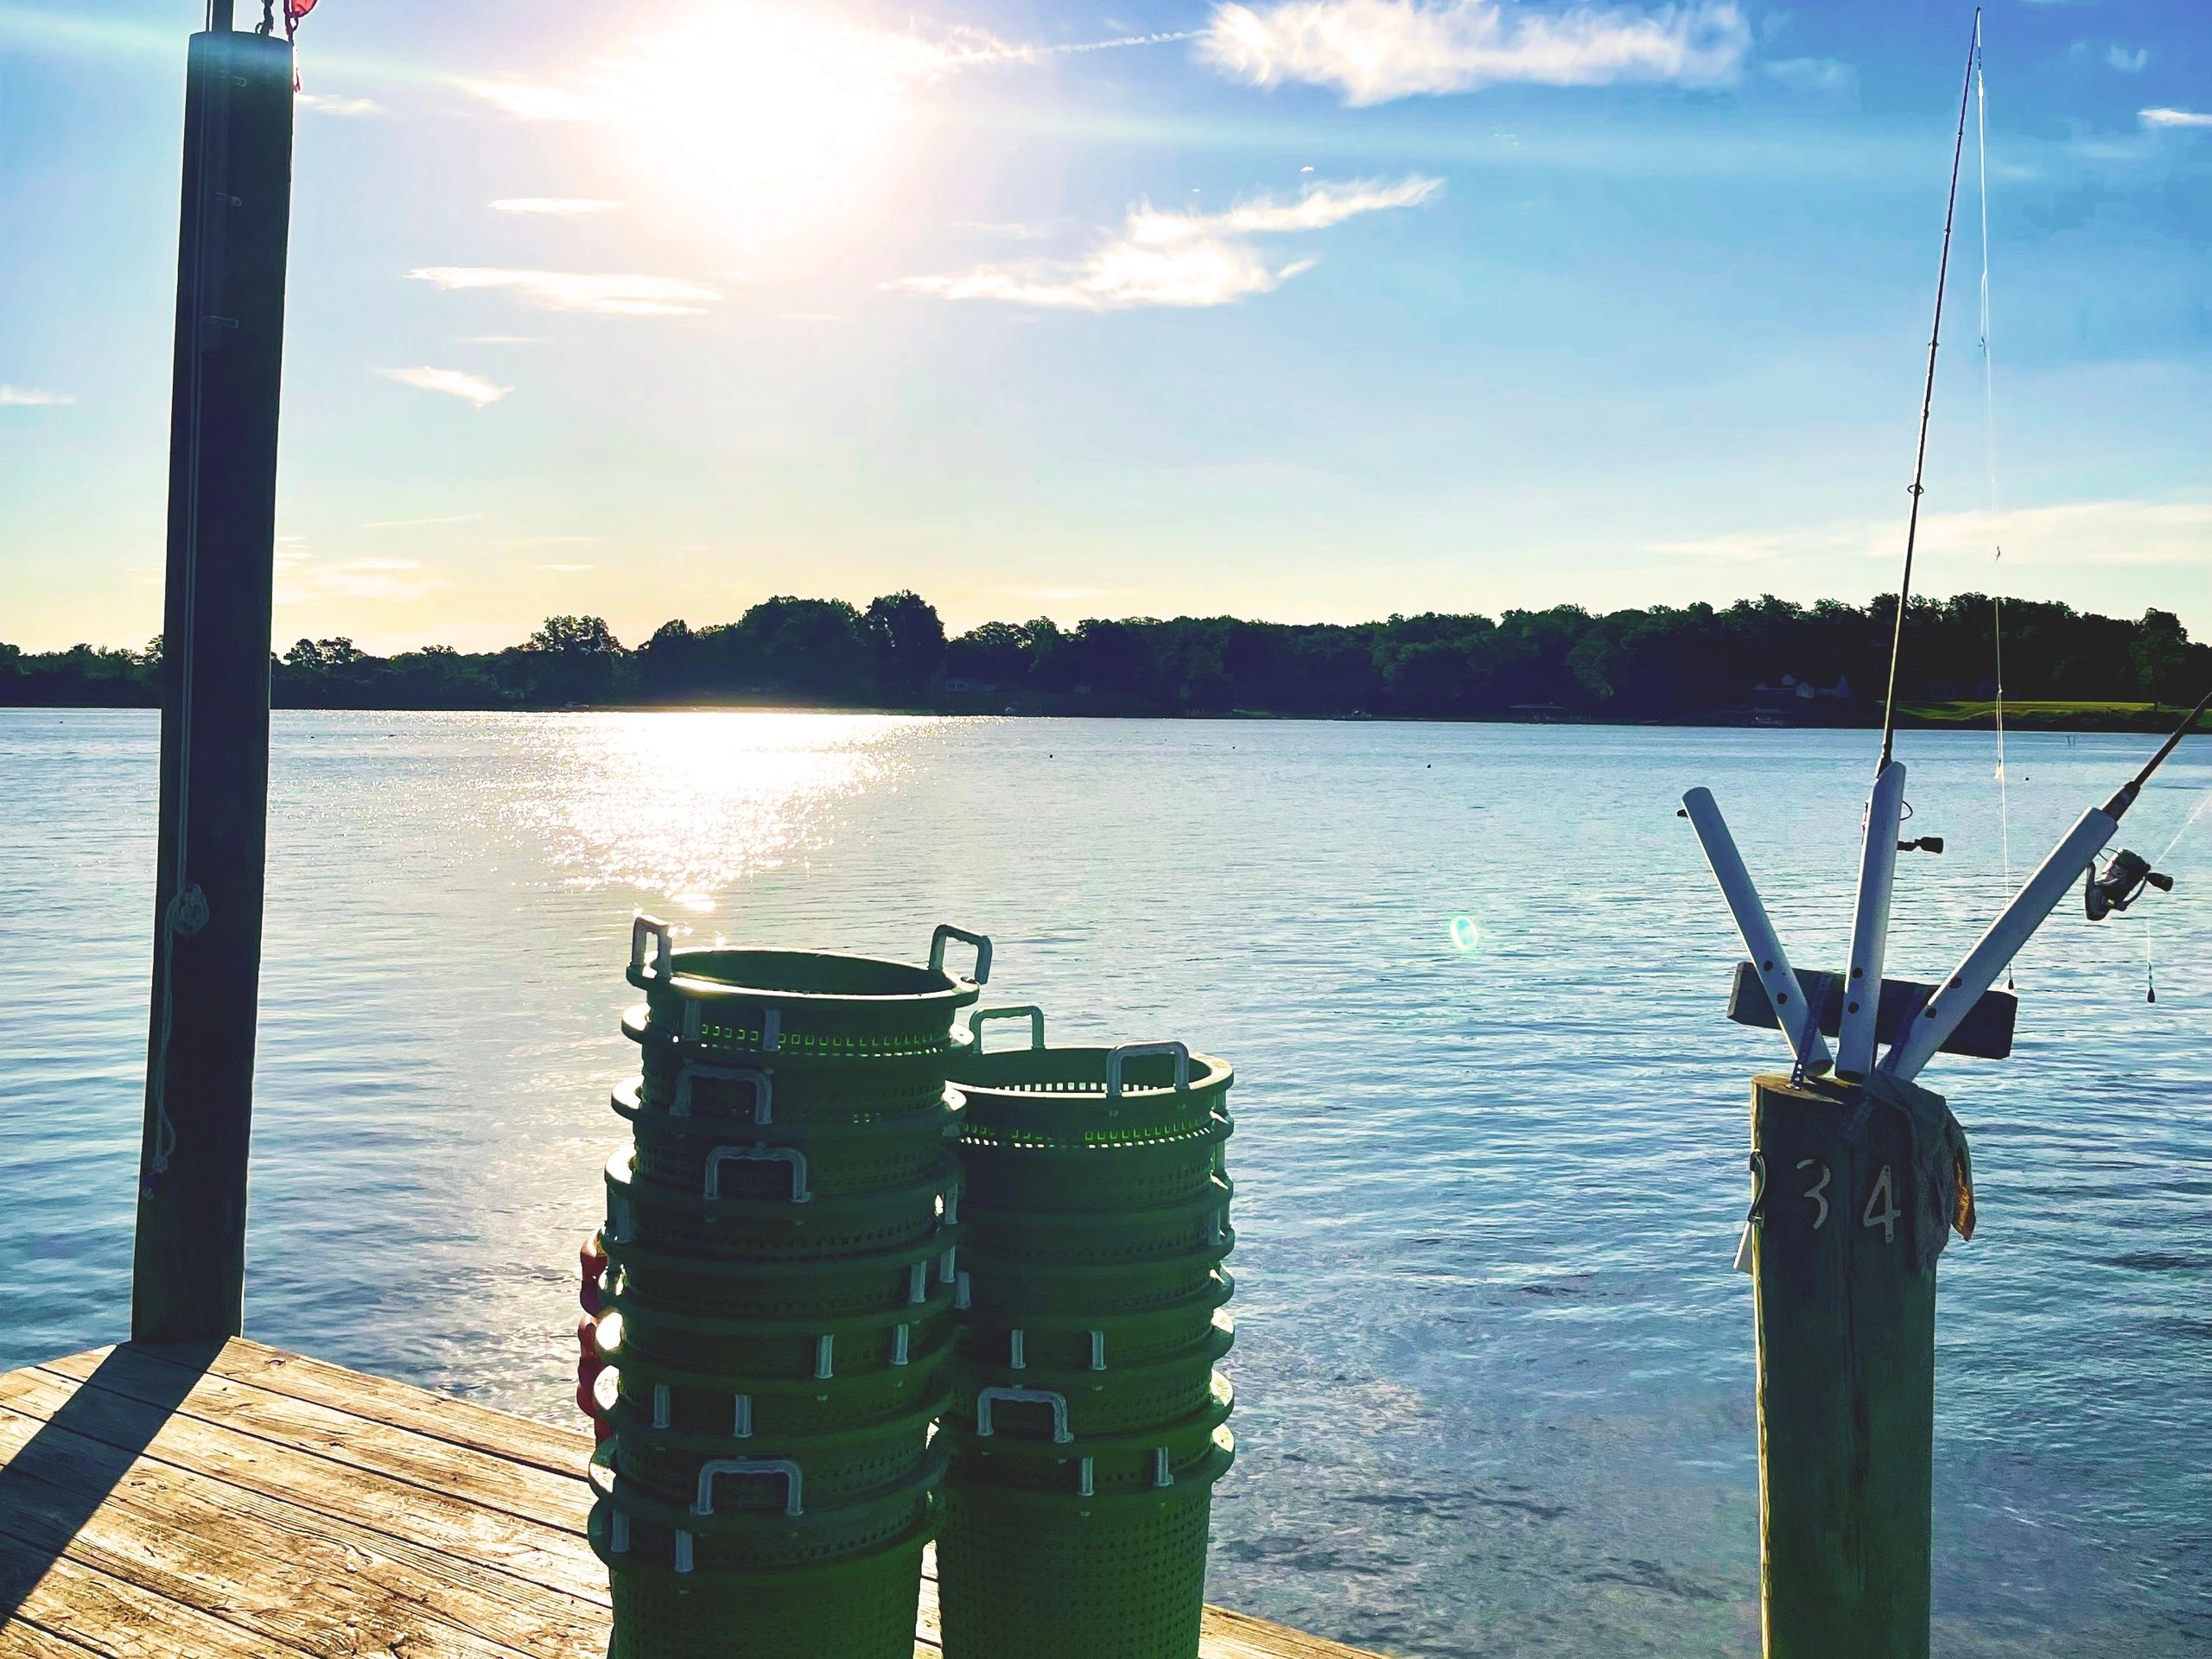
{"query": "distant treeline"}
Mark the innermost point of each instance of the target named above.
(1691, 664)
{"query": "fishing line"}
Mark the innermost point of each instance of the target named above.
(2150, 969)
(2195, 813)
(1989, 469)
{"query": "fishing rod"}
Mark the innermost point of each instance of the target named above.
(1859, 1028)
(1846, 1295)
(2031, 906)
(1928, 397)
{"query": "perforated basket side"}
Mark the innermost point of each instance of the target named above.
(862, 1606)
(686, 1152)
(1112, 1579)
(799, 1222)
(692, 1291)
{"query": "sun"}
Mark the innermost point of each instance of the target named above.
(765, 118)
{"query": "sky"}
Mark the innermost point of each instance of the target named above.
(1307, 310)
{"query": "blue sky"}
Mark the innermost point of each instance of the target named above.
(1310, 311)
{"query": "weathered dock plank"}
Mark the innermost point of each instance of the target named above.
(248, 1504)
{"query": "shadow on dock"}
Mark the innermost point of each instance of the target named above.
(57, 1480)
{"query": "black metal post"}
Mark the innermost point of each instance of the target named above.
(190, 1269)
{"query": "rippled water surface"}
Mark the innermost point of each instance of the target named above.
(1494, 1373)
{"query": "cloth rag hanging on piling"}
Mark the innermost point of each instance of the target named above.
(1940, 1188)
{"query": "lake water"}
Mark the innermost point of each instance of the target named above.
(1495, 1375)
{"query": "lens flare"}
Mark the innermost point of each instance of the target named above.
(1466, 935)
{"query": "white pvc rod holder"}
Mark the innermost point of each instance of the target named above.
(1787, 997)
(1870, 926)
(2006, 938)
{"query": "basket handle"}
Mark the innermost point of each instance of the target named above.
(946, 933)
(679, 1105)
(791, 1156)
(709, 1470)
(985, 1398)
(1127, 1051)
(644, 927)
(1030, 1012)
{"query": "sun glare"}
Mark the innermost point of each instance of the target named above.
(767, 118)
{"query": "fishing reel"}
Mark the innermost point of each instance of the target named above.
(2120, 884)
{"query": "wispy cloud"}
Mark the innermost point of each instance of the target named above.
(554, 206)
(1825, 77)
(453, 383)
(564, 290)
(2127, 61)
(323, 104)
(1372, 51)
(417, 524)
(2163, 118)
(820, 47)
(548, 541)
(1177, 259)
(564, 569)
(1959, 548)
(31, 398)
(301, 576)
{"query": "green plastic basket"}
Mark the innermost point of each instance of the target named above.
(1029, 1458)
(818, 1003)
(690, 1287)
(1082, 1098)
(866, 1361)
(688, 1154)
(838, 1464)
(1071, 1342)
(1171, 1168)
(1003, 1290)
(791, 1088)
(791, 1532)
(1056, 1238)
(862, 1606)
(870, 1375)
(1121, 1399)
(1119, 1576)
(800, 1224)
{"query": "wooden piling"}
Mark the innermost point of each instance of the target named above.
(1847, 1377)
(188, 1282)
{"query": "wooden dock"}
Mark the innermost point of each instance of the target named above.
(241, 1503)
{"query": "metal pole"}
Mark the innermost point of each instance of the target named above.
(188, 1283)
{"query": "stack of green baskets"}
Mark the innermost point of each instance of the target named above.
(780, 1276)
(1087, 1425)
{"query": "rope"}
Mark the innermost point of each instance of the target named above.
(186, 910)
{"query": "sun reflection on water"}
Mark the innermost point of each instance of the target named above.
(684, 806)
